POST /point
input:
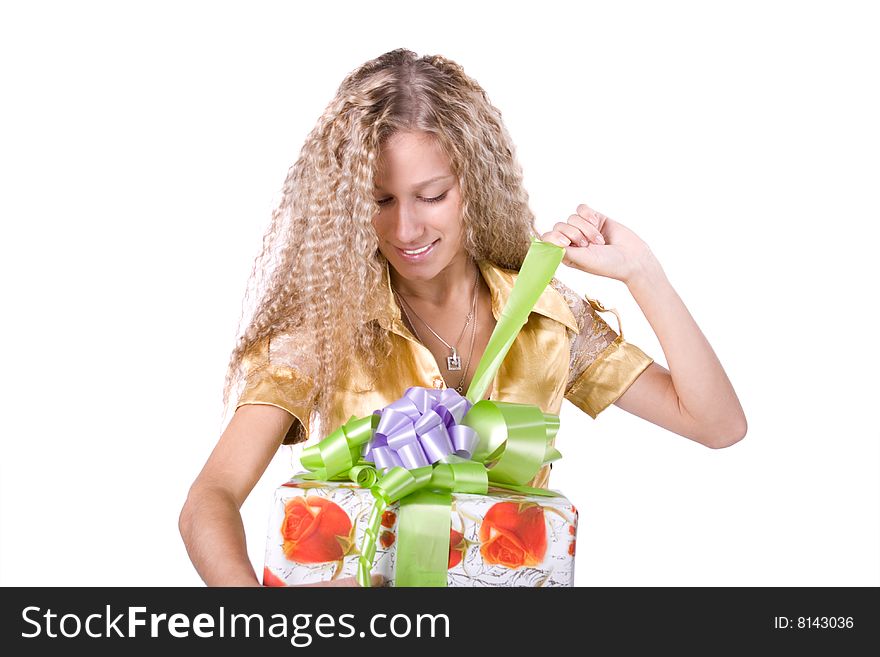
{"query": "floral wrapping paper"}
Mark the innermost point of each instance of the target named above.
(499, 539)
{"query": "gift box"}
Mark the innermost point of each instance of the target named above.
(497, 539)
(431, 490)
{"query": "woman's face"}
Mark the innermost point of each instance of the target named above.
(419, 219)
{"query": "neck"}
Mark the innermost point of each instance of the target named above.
(452, 283)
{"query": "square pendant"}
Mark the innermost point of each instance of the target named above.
(453, 363)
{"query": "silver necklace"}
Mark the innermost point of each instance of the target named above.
(460, 386)
(467, 365)
(453, 361)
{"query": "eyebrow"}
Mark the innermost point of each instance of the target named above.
(424, 183)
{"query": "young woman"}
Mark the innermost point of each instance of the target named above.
(402, 228)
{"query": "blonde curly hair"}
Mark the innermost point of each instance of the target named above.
(320, 272)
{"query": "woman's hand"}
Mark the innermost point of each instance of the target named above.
(376, 581)
(598, 245)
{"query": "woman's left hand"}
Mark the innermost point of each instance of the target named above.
(598, 245)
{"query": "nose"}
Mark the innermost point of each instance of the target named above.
(407, 225)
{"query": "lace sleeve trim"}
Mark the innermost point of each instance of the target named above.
(594, 335)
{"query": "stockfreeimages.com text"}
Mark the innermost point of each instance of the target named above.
(300, 629)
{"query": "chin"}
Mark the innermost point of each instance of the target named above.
(416, 272)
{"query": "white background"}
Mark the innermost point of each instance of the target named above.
(143, 149)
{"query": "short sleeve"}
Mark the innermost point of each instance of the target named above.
(603, 365)
(270, 378)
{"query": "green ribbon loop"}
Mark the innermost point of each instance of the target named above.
(363, 475)
(514, 437)
(459, 475)
(339, 451)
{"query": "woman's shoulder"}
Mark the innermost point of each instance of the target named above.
(590, 325)
(573, 300)
(282, 350)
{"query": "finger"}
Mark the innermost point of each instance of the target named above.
(584, 210)
(573, 233)
(587, 228)
(555, 237)
(566, 259)
(345, 581)
(588, 213)
(376, 580)
(575, 256)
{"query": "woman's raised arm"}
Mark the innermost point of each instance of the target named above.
(694, 398)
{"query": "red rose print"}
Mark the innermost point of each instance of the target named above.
(571, 548)
(386, 539)
(457, 548)
(572, 530)
(388, 519)
(270, 579)
(514, 534)
(315, 530)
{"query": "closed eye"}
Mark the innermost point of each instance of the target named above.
(435, 199)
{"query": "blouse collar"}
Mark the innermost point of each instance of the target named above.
(550, 304)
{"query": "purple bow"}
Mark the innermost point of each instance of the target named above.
(421, 428)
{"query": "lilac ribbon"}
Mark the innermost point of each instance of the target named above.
(421, 428)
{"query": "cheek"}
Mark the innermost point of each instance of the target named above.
(455, 223)
(450, 217)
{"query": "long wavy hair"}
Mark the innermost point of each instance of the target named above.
(320, 272)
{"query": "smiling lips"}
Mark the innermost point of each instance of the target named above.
(417, 254)
(416, 251)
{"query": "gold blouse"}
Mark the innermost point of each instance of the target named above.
(564, 350)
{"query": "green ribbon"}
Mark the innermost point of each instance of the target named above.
(423, 539)
(336, 454)
(514, 443)
(537, 270)
(514, 437)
